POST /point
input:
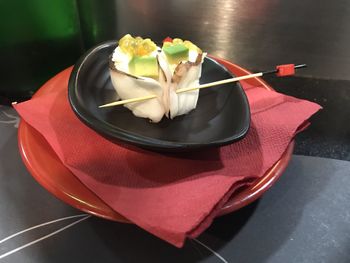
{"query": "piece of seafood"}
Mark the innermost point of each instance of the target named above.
(139, 68)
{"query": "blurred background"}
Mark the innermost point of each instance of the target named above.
(39, 38)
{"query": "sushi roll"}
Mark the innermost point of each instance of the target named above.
(134, 73)
(182, 63)
(139, 68)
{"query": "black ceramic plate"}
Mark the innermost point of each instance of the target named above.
(221, 117)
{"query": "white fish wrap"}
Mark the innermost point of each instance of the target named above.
(129, 87)
(168, 102)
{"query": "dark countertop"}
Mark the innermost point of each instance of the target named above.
(329, 132)
(304, 217)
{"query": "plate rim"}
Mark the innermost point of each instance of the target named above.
(123, 137)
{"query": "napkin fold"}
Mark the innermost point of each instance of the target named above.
(173, 196)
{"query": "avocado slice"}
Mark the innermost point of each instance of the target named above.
(176, 53)
(145, 66)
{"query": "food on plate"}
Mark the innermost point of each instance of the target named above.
(138, 67)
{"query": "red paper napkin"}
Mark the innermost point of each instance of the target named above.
(171, 196)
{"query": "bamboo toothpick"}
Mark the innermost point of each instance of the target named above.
(121, 102)
(220, 82)
(203, 86)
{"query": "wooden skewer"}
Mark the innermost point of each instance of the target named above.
(211, 84)
(203, 86)
(121, 102)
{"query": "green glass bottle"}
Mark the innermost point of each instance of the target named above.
(98, 21)
(38, 38)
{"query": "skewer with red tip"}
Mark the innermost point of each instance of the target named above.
(285, 70)
(281, 71)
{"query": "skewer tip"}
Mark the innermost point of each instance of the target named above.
(285, 70)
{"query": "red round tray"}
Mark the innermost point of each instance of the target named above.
(44, 165)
